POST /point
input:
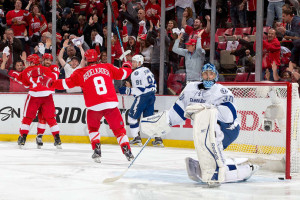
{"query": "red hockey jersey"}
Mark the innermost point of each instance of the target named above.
(36, 89)
(97, 85)
(55, 70)
(37, 25)
(15, 86)
(152, 13)
(19, 29)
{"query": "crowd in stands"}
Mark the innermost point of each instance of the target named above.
(26, 28)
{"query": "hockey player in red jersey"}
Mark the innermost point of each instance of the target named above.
(38, 97)
(47, 62)
(96, 81)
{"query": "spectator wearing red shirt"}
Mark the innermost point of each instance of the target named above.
(94, 4)
(152, 11)
(196, 29)
(251, 12)
(271, 52)
(16, 20)
(170, 9)
(37, 24)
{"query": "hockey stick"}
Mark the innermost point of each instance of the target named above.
(116, 26)
(113, 179)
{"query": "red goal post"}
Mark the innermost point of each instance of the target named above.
(263, 135)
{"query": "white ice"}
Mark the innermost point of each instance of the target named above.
(158, 173)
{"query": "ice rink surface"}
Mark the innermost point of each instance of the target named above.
(158, 173)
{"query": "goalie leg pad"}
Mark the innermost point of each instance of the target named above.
(239, 172)
(236, 170)
(209, 155)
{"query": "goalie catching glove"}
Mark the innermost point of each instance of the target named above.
(193, 109)
(156, 125)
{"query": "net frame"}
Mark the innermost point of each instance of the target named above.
(288, 118)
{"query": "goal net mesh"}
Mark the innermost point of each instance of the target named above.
(262, 111)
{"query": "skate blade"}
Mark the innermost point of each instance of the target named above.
(137, 144)
(39, 146)
(21, 146)
(213, 184)
(97, 160)
(58, 147)
(159, 145)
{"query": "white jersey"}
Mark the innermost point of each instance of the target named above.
(142, 81)
(217, 95)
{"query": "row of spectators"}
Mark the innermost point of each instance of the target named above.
(26, 28)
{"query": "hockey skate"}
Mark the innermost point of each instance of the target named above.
(39, 141)
(127, 152)
(158, 142)
(97, 153)
(22, 140)
(57, 141)
(136, 141)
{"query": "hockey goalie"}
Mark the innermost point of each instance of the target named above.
(211, 107)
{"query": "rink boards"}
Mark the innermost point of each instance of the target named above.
(71, 118)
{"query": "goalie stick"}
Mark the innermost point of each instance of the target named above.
(113, 179)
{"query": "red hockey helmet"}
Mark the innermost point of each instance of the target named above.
(91, 55)
(33, 58)
(48, 56)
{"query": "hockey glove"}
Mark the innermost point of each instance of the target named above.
(36, 72)
(127, 64)
(125, 90)
(46, 81)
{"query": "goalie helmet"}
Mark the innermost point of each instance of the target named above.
(48, 56)
(209, 67)
(34, 58)
(138, 58)
(91, 55)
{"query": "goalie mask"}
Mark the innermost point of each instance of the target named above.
(209, 75)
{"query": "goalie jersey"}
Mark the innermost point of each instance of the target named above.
(217, 95)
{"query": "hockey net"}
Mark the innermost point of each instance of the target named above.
(268, 135)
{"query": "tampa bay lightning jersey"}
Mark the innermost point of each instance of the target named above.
(217, 95)
(142, 81)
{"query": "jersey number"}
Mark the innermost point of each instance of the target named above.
(34, 84)
(149, 79)
(100, 85)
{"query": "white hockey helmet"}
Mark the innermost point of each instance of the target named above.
(138, 58)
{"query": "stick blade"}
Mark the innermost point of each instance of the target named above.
(113, 179)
